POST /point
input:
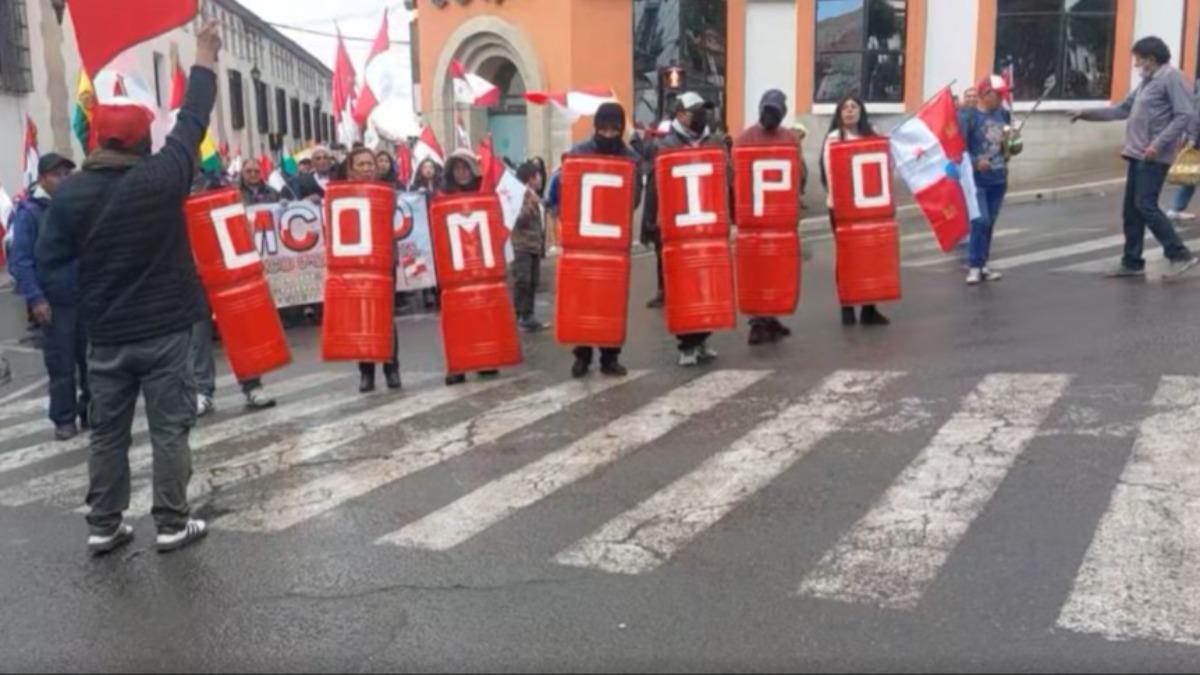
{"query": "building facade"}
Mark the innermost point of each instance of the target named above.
(272, 94)
(893, 53)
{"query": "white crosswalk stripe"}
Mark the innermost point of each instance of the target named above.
(315, 442)
(893, 554)
(71, 481)
(1139, 579)
(290, 507)
(647, 536)
(1154, 258)
(1141, 575)
(499, 499)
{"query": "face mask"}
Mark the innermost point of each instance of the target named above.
(770, 119)
(608, 145)
(698, 121)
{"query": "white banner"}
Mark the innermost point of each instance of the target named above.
(290, 240)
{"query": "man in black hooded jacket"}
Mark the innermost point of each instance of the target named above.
(609, 123)
(122, 219)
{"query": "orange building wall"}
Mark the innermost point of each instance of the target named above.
(581, 43)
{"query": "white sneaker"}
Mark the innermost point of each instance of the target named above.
(258, 399)
(975, 276)
(204, 405)
(989, 275)
(1180, 215)
(194, 531)
(706, 353)
(101, 545)
(689, 357)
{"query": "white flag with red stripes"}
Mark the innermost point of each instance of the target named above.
(471, 89)
(576, 103)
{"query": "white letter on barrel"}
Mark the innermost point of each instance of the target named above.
(363, 207)
(587, 226)
(762, 186)
(695, 215)
(857, 166)
(475, 222)
(222, 220)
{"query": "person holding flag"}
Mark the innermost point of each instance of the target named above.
(987, 130)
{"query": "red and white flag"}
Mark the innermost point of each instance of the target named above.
(414, 266)
(471, 89)
(343, 93)
(29, 156)
(491, 167)
(932, 158)
(576, 104)
(428, 148)
(368, 98)
(1001, 84)
(105, 28)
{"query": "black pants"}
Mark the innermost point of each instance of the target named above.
(64, 350)
(393, 366)
(526, 274)
(658, 262)
(692, 340)
(608, 355)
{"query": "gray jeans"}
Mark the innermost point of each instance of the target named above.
(161, 370)
(204, 367)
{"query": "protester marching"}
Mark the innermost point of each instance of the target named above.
(132, 264)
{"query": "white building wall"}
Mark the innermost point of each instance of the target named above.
(770, 33)
(139, 64)
(1163, 18)
(950, 45)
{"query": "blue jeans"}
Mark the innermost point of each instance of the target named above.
(1183, 197)
(991, 198)
(65, 353)
(1143, 188)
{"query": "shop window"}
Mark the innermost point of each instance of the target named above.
(237, 106)
(860, 50)
(1069, 40)
(690, 35)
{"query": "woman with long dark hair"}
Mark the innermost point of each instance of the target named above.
(850, 123)
(361, 167)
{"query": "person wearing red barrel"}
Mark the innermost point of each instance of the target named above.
(850, 123)
(608, 140)
(360, 167)
(689, 130)
(772, 109)
(462, 175)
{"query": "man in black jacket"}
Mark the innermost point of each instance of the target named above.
(122, 219)
(609, 123)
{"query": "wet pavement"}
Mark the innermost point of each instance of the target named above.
(1004, 479)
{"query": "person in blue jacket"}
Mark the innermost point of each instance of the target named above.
(988, 130)
(53, 300)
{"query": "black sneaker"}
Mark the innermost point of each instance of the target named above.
(849, 318)
(872, 317)
(759, 334)
(780, 330)
(392, 378)
(580, 368)
(366, 384)
(656, 303)
(65, 432)
(192, 532)
(613, 369)
(489, 374)
(99, 545)
(452, 380)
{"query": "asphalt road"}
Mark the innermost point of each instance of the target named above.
(1004, 479)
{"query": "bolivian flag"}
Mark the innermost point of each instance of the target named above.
(210, 157)
(81, 118)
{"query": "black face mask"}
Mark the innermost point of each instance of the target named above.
(770, 119)
(698, 121)
(609, 146)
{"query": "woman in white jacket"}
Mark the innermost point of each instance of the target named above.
(850, 123)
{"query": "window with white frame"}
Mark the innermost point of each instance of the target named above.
(860, 50)
(1063, 48)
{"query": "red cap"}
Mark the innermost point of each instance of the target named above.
(126, 122)
(995, 83)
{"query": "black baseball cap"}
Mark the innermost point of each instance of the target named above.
(52, 161)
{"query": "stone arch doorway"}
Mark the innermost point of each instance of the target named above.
(501, 53)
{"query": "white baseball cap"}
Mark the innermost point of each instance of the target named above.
(690, 100)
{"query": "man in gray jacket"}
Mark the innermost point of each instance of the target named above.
(1159, 113)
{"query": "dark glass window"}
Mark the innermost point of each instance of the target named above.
(281, 111)
(296, 119)
(1069, 40)
(237, 106)
(690, 34)
(261, 107)
(308, 121)
(860, 50)
(16, 74)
